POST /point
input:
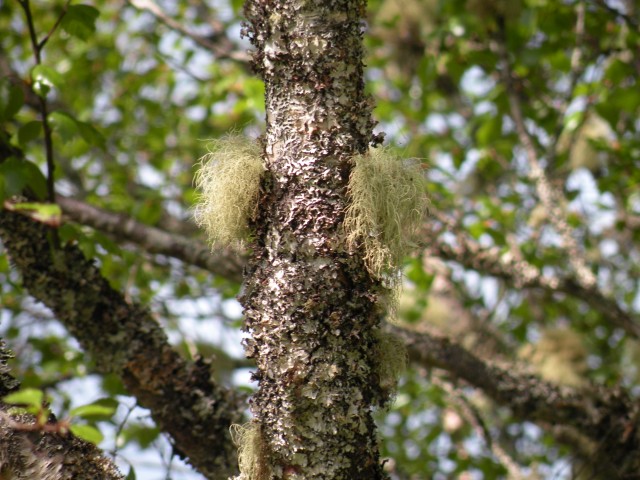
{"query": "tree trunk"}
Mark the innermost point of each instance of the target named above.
(310, 305)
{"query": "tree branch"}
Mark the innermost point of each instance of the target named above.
(125, 339)
(226, 263)
(221, 46)
(48, 36)
(474, 418)
(548, 195)
(596, 413)
(467, 252)
(520, 273)
(44, 108)
(28, 450)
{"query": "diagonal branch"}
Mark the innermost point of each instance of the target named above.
(30, 451)
(548, 195)
(466, 252)
(125, 339)
(522, 274)
(220, 45)
(225, 263)
(596, 413)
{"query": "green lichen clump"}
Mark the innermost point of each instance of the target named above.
(390, 360)
(248, 439)
(229, 181)
(387, 204)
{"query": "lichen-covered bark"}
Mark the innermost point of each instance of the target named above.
(310, 306)
(608, 418)
(28, 453)
(32, 453)
(125, 339)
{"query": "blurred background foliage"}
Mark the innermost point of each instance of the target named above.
(134, 91)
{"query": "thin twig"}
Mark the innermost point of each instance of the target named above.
(120, 428)
(549, 196)
(222, 48)
(474, 418)
(44, 41)
(44, 111)
(577, 70)
(628, 19)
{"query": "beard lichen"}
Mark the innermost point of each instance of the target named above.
(248, 439)
(390, 360)
(387, 203)
(229, 181)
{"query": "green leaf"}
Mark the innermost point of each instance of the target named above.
(489, 130)
(102, 409)
(477, 229)
(141, 434)
(91, 135)
(45, 78)
(47, 213)
(131, 475)
(88, 433)
(27, 396)
(28, 132)
(64, 125)
(11, 99)
(70, 128)
(80, 21)
(36, 180)
(13, 177)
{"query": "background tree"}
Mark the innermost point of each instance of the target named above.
(521, 299)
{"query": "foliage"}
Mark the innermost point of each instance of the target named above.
(131, 99)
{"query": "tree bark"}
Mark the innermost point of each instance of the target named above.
(125, 339)
(29, 451)
(310, 306)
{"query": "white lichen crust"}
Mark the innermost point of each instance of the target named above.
(229, 182)
(387, 204)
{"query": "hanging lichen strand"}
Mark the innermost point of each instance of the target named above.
(310, 304)
(228, 178)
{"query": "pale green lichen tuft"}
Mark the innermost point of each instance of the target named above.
(390, 360)
(229, 181)
(248, 439)
(387, 204)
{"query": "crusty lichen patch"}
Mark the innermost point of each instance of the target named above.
(229, 181)
(387, 203)
(248, 439)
